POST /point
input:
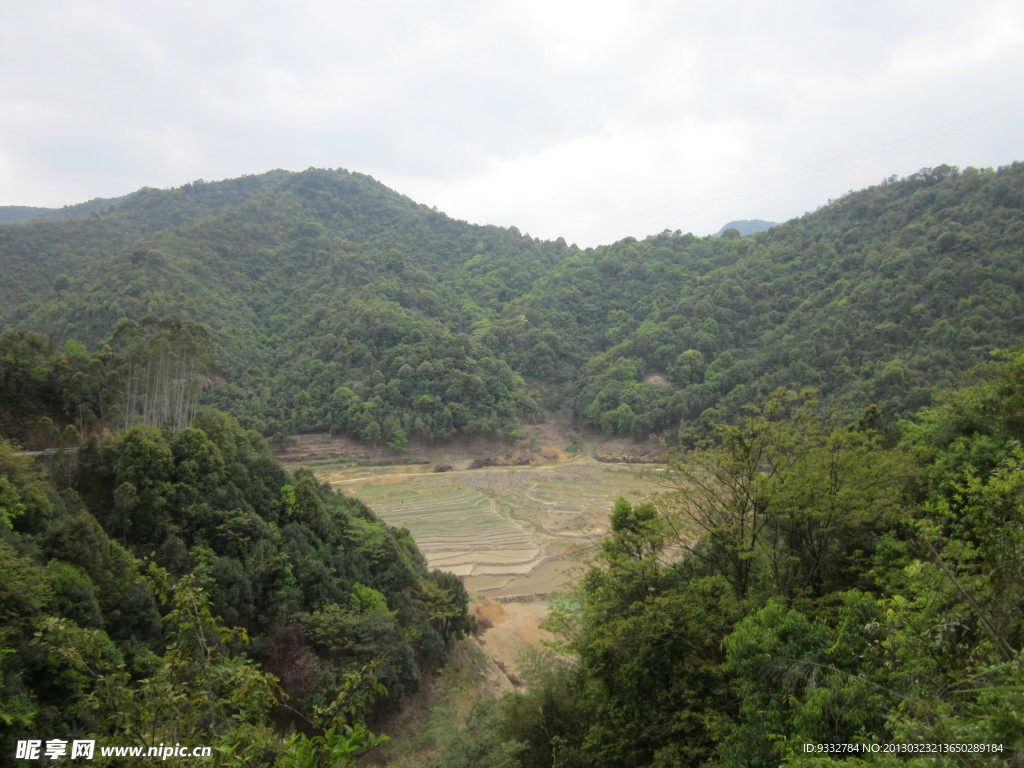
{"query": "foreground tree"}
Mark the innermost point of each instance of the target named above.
(200, 693)
(781, 503)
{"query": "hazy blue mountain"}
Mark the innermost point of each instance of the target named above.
(747, 226)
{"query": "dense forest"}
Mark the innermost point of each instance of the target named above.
(175, 585)
(802, 593)
(836, 557)
(332, 303)
(798, 582)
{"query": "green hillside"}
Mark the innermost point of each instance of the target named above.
(803, 594)
(830, 564)
(183, 588)
(882, 296)
(334, 303)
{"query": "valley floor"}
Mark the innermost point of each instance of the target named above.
(518, 528)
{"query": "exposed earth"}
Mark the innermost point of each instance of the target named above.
(517, 527)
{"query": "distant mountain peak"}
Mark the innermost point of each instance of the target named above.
(747, 226)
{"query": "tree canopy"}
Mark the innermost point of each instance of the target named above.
(801, 583)
(171, 586)
(332, 303)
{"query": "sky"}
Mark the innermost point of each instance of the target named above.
(591, 121)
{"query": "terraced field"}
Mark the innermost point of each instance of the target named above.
(512, 532)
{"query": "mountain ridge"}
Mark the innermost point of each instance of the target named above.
(336, 303)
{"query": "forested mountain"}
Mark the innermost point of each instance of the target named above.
(880, 297)
(330, 285)
(10, 214)
(843, 578)
(334, 303)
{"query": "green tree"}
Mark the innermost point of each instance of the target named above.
(198, 693)
(11, 506)
(783, 503)
(444, 600)
(371, 433)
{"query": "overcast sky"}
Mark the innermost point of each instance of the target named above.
(588, 120)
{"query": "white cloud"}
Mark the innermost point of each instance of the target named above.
(591, 188)
(590, 119)
(971, 43)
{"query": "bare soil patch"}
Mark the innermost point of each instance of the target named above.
(554, 440)
(519, 527)
(512, 631)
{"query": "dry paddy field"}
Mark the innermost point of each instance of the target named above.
(513, 533)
